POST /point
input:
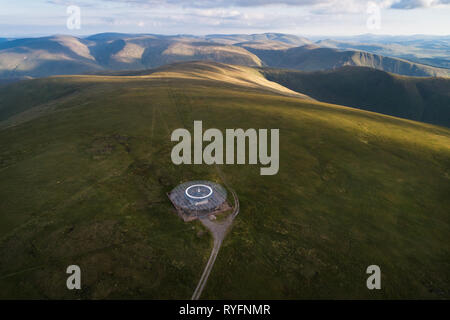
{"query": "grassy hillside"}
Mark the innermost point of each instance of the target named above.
(314, 58)
(85, 180)
(421, 99)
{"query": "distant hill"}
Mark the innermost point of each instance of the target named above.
(421, 99)
(313, 58)
(434, 52)
(148, 51)
(280, 38)
(39, 57)
(60, 55)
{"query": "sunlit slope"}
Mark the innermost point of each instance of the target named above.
(84, 182)
(21, 101)
(219, 72)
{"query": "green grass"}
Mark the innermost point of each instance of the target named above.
(85, 184)
(420, 99)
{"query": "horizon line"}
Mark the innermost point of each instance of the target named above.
(226, 34)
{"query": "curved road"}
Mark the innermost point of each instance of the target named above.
(218, 230)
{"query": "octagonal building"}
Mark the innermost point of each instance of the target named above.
(200, 198)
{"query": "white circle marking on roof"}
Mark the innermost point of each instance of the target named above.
(197, 197)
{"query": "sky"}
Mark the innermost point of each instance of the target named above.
(199, 17)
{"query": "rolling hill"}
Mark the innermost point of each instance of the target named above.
(85, 167)
(286, 40)
(420, 99)
(314, 58)
(430, 50)
(143, 52)
(38, 57)
(60, 55)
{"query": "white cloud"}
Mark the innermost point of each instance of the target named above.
(229, 16)
(412, 4)
(345, 5)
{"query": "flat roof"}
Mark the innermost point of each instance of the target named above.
(201, 206)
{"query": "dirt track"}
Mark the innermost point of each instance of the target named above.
(219, 231)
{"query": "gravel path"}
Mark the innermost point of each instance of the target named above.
(219, 231)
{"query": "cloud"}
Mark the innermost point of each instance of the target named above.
(221, 3)
(318, 6)
(217, 13)
(321, 5)
(249, 3)
(67, 3)
(412, 4)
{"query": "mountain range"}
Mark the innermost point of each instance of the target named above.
(62, 54)
(434, 51)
